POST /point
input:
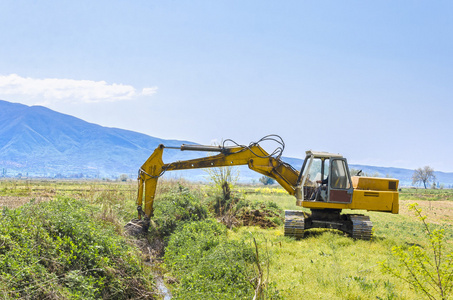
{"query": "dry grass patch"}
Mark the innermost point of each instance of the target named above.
(18, 201)
(438, 212)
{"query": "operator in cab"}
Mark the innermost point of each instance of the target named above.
(318, 195)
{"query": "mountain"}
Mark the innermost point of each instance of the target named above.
(38, 142)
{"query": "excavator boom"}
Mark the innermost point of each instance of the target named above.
(254, 156)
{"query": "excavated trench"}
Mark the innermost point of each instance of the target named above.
(159, 281)
(151, 251)
(153, 248)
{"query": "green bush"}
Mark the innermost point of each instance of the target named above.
(60, 249)
(199, 254)
(176, 207)
(207, 265)
(429, 269)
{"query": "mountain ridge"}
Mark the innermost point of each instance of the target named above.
(36, 141)
(44, 142)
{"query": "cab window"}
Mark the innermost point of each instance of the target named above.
(317, 169)
(339, 175)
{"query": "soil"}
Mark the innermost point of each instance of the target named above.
(151, 246)
(263, 218)
(438, 212)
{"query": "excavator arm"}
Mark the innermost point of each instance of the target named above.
(254, 156)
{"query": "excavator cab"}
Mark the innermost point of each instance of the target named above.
(325, 177)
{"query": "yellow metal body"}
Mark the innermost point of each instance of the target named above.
(372, 194)
(255, 157)
(369, 193)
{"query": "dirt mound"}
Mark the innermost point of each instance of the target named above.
(263, 217)
(136, 228)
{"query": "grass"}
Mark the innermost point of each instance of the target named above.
(426, 194)
(65, 249)
(325, 264)
(66, 238)
(207, 264)
(52, 188)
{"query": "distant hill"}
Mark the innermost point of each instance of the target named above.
(38, 142)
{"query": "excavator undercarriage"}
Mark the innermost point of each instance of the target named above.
(356, 226)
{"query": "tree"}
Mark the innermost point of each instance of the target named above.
(266, 180)
(123, 177)
(223, 178)
(424, 175)
(221, 175)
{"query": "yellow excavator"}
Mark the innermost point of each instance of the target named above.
(323, 185)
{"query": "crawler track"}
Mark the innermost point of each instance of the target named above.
(361, 227)
(294, 223)
(356, 226)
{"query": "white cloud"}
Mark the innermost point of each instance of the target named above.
(149, 91)
(54, 90)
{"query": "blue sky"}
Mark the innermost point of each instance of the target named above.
(369, 79)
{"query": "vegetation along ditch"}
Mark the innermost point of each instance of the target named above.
(206, 242)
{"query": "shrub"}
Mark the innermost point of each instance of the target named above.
(177, 207)
(207, 265)
(59, 249)
(429, 271)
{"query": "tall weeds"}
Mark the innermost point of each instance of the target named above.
(60, 250)
(430, 270)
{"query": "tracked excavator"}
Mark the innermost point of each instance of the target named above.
(323, 185)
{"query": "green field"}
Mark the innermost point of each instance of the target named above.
(326, 264)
